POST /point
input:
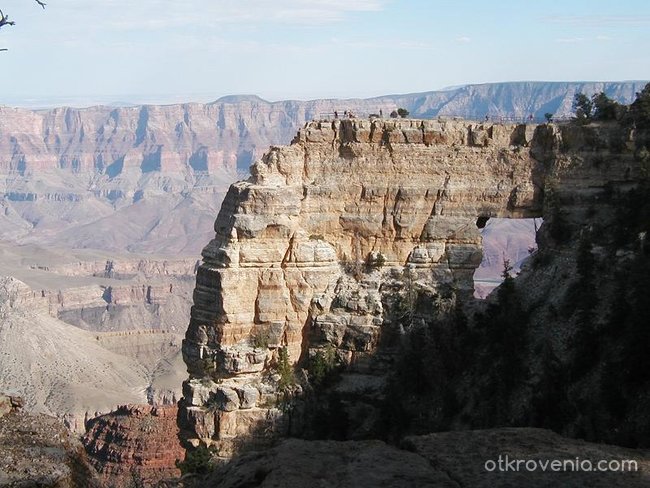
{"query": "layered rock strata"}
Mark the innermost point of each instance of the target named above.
(134, 442)
(407, 192)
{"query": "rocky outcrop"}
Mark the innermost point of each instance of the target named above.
(136, 442)
(343, 192)
(10, 404)
(452, 459)
(333, 232)
(36, 450)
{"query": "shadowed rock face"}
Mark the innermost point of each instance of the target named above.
(410, 190)
(451, 459)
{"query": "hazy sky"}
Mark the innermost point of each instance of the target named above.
(84, 51)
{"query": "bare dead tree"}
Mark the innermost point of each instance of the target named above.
(4, 19)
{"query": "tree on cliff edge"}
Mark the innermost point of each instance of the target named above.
(640, 109)
(4, 19)
(583, 107)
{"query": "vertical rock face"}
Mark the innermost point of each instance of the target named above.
(134, 442)
(344, 192)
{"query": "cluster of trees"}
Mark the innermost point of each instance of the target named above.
(601, 107)
(589, 379)
(640, 109)
(400, 112)
(598, 107)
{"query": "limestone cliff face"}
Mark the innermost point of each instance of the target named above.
(343, 192)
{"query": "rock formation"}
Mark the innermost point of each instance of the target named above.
(349, 191)
(136, 442)
(402, 199)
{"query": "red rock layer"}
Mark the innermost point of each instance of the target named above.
(136, 442)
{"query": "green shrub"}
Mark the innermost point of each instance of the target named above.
(285, 370)
(197, 461)
(260, 339)
(322, 366)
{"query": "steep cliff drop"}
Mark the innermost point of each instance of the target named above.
(279, 274)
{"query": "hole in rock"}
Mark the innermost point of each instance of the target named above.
(481, 221)
(511, 239)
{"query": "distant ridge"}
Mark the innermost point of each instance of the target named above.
(476, 96)
(170, 165)
(505, 99)
(240, 99)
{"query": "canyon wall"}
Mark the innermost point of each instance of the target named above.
(280, 271)
(100, 332)
(151, 178)
(235, 130)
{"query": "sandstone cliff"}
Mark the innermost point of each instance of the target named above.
(285, 269)
(410, 191)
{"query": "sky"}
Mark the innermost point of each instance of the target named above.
(82, 52)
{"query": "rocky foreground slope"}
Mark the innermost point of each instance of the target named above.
(36, 450)
(449, 459)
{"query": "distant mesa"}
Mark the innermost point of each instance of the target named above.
(240, 99)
